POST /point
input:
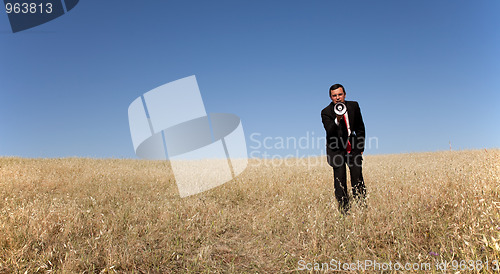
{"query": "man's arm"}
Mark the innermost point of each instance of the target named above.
(360, 128)
(330, 125)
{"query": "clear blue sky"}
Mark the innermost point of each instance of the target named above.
(424, 72)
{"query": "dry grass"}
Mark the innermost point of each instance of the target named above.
(87, 215)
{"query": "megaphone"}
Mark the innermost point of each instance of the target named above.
(340, 108)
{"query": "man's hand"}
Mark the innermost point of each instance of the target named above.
(339, 117)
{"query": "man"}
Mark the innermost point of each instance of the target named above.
(345, 141)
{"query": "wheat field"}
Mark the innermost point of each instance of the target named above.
(77, 215)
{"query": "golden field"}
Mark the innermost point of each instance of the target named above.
(77, 215)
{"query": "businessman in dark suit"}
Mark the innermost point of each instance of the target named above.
(345, 141)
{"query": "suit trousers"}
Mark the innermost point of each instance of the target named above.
(354, 162)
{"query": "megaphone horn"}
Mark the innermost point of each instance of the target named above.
(340, 108)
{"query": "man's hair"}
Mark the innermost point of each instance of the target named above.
(336, 86)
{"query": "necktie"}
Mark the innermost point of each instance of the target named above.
(349, 148)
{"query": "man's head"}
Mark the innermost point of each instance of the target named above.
(337, 93)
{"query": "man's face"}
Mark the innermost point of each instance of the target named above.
(337, 95)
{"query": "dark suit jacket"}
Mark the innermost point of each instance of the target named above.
(336, 136)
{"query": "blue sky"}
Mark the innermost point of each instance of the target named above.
(424, 72)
